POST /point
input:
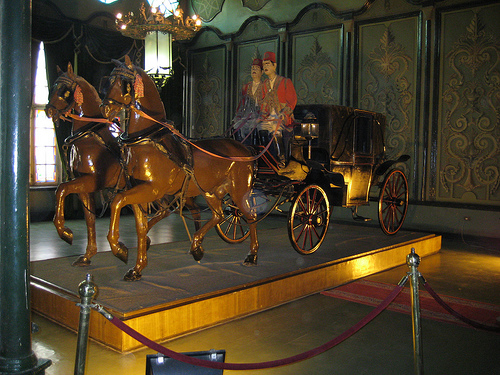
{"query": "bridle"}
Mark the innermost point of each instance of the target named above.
(132, 88)
(66, 88)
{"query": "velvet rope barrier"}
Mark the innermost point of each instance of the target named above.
(455, 313)
(262, 365)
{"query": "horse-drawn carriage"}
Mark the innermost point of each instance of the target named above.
(342, 151)
(339, 151)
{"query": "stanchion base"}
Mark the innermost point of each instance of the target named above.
(38, 369)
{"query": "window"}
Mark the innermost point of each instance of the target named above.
(44, 157)
(363, 134)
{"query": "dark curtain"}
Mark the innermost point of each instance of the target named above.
(89, 49)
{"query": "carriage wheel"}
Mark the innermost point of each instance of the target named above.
(234, 227)
(308, 219)
(393, 202)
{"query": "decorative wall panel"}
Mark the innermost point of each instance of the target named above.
(388, 64)
(468, 137)
(207, 9)
(207, 92)
(316, 67)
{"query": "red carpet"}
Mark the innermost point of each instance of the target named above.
(372, 293)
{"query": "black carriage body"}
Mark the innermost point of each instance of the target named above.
(344, 151)
(349, 148)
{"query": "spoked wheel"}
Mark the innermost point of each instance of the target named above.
(393, 202)
(308, 219)
(234, 227)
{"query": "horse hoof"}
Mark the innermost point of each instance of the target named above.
(197, 253)
(82, 261)
(250, 260)
(132, 275)
(148, 243)
(122, 252)
(67, 235)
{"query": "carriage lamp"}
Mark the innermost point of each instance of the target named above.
(309, 130)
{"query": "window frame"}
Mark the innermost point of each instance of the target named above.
(58, 165)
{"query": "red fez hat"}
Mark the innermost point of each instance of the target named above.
(257, 62)
(270, 56)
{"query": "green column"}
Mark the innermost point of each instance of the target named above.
(16, 355)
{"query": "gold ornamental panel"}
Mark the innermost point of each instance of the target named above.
(316, 66)
(388, 81)
(207, 91)
(468, 156)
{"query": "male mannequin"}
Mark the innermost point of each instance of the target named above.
(248, 111)
(279, 101)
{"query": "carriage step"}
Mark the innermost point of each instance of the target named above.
(361, 218)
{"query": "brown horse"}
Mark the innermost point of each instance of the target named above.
(160, 163)
(93, 156)
(93, 153)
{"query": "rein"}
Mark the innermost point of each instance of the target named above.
(83, 118)
(180, 135)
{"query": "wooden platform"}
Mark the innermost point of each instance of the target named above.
(177, 295)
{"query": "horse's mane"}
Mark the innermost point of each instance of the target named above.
(82, 82)
(151, 90)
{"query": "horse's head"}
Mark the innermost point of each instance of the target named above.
(67, 95)
(129, 87)
(121, 89)
(62, 94)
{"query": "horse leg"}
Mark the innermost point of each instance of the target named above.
(151, 223)
(89, 212)
(83, 184)
(215, 205)
(62, 191)
(137, 195)
(118, 248)
(193, 208)
(251, 259)
(243, 203)
(195, 212)
(157, 218)
(141, 226)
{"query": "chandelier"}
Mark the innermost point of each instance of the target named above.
(160, 24)
(164, 16)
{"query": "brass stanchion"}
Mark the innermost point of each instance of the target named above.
(413, 260)
(87, 290)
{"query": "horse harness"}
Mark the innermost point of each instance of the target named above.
(133, 88)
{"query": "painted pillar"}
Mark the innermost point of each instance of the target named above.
(16, 355)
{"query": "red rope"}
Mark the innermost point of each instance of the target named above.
(262, 365)
(89, 119)
(457, 314)
(180, 135)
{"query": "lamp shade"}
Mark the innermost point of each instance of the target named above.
(158, 57)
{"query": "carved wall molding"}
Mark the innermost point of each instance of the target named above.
(208, 94)
(387, 90)
(315, 75)
(388, 66)
(470, 136)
